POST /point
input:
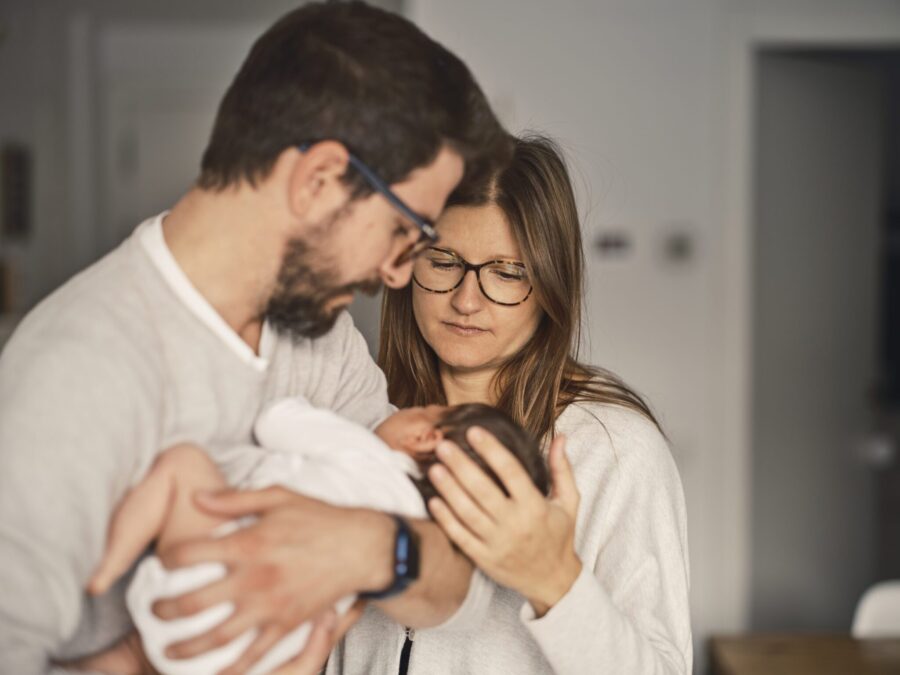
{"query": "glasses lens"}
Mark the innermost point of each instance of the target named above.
(505, 283)
(437, 270)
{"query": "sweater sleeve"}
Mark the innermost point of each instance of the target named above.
(70, 441)
(628, 610)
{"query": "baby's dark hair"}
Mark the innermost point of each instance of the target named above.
(457, 421)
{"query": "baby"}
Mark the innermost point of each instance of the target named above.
(311, 451)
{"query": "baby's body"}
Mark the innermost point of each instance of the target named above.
(308, 450)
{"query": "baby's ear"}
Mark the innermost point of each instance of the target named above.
(426, 441)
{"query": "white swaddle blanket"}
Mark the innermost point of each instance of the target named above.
(308, 450)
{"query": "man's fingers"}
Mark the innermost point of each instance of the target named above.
(464, 507)
(237, 503)
(196, 601)
(508, 469)
(263, 642)
(352, 615)
(231, 628)
(318, 647)
(565, 491)
(194, 552)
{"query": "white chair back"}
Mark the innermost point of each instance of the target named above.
(878, 612)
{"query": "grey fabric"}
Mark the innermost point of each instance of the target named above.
(627, 613)
(105, 373)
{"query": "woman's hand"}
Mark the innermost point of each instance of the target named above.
(524, 541)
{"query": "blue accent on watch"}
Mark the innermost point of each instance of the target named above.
(406, 562)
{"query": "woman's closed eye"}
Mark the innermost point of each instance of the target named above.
(509, 273)
(444, 265)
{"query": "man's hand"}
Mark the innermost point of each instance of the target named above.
(126, 657)
(327, 630)
(295, 562)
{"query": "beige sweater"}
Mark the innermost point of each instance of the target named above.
(627, 614)
(123, 361)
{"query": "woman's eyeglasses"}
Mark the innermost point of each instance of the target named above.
(504, 282)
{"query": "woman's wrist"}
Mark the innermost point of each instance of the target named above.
(543, 599)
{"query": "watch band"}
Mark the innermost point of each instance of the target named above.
(406, 562)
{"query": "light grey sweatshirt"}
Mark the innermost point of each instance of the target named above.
(123, 361)
(627, 614)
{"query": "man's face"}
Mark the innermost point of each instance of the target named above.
(356, 249)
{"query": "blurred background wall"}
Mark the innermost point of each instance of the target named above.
(736, 165)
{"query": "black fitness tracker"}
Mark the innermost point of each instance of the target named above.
(406, 562)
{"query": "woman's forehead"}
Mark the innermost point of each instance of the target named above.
(477, 233)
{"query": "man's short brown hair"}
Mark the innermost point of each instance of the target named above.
(359, 75)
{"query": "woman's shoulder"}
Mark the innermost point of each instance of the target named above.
(613, 435)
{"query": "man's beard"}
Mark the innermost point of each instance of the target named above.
(298, 307)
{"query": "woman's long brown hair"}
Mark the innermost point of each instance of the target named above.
(536, 384)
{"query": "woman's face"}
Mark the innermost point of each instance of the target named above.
(468, 332)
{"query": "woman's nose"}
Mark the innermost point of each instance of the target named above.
(467, 297)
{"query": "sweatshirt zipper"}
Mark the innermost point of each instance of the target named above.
(407, 648)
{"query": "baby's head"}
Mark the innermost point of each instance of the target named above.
(417, 431)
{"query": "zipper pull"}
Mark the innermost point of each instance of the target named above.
(410, 634)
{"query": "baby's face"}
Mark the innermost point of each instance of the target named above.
(414, 431)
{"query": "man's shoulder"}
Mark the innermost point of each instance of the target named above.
(102, 312)
(331, 351)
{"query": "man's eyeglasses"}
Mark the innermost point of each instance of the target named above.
(428, 235)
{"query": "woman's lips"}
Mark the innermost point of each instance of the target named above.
(467, 331)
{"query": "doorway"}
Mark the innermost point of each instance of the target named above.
(825, 334)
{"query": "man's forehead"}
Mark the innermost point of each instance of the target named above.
(427, 187)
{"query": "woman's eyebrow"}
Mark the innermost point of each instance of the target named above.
(495, 256)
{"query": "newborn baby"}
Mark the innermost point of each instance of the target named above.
(311, 451)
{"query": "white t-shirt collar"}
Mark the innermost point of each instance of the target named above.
(150, 235)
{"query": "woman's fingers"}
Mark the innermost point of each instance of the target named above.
(503, 463)
(466, 510)
(470, 477)
(456, 531)
(565, 491)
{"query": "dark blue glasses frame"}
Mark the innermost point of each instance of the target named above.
(428, 233)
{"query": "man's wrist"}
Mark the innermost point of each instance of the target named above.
(405, 567)
(378, 550)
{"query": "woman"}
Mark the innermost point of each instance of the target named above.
(493, 316)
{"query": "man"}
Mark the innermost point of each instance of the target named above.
(333, 149)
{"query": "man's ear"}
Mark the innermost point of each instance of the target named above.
(315, 186)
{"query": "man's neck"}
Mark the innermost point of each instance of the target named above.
(229, 246)
(473, 386)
